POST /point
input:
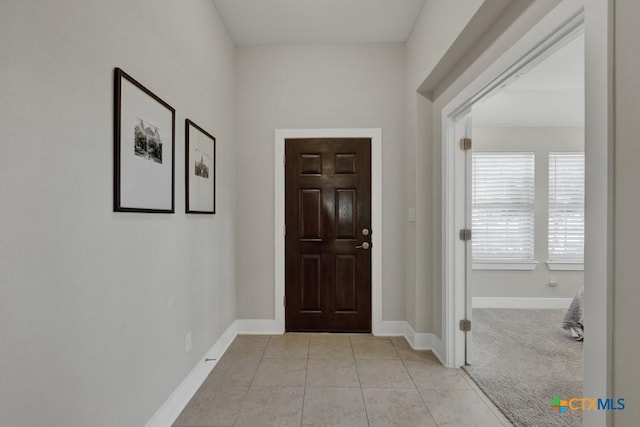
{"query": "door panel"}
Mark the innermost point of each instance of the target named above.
(310, 283)
(310, 164)
(346, 164)
(328, 204)
(346, 291)
(346, 217)
(310, 214)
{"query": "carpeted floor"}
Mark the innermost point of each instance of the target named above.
(521, 359)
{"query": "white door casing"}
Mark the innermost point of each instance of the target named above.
(562, 24)
(376, 214)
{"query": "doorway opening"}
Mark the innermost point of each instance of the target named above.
(552, 33)
(457, 213)
(526, 215)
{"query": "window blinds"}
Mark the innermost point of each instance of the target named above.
(566, 207)
(502, 213)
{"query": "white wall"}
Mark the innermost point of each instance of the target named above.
(626, 347)
(540, 141)
(314, 86)
(437, 27)
(95, 305)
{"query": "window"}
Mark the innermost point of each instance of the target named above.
(566, 207)
(502, 214)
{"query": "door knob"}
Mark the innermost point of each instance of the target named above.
(365, 245)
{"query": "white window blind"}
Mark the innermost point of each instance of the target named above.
(502, 212)
(566, 207)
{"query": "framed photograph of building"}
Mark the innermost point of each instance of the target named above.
(144, 148)
(200, 169)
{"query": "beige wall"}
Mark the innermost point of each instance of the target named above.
(95, 305)
(437, 27)
(626, 346)
(92, 333)
(530, 284)
(315, 86)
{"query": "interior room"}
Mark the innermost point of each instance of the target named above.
(146, 169)
(528, 235)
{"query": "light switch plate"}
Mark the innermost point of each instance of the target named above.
(412, 215)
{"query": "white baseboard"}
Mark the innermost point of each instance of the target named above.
(258, 327)
(417, 340)
(425, 341)
(437, 347)
(390, 328)
(171, 409)
(490, 302)
(179, 399)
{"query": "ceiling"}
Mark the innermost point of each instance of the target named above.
(551, 94)
(318, 21)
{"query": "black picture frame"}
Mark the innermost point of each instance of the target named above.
(200, 173)
(144, 178)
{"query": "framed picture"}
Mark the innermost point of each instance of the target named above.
(144, 148)
(200, 169)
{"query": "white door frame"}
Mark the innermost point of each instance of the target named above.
(566, 19)
(375, 134)
(568, 15)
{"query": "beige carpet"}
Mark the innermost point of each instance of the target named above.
(521, 359)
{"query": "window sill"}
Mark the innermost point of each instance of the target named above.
(565, 265)
(505, 265)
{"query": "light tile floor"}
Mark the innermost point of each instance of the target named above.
(335, 380)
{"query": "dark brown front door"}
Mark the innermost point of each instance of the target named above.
(328, 235)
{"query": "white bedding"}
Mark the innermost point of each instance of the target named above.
(574, 319)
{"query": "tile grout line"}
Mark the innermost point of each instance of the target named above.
(398, 349)
(415, 385)
(253, 378)
(468, 380)
(304, 389)
(355, 364)
(244, 397)
(485, 399)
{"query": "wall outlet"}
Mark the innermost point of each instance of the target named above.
(553, 281)
(187, 342)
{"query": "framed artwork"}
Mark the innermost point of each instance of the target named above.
(200, 169)
(144, 149)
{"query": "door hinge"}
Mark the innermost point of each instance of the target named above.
(284, 300)
(465, 234)
(284, 160)
(284, 230)
(465, 143)
(465, 325)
